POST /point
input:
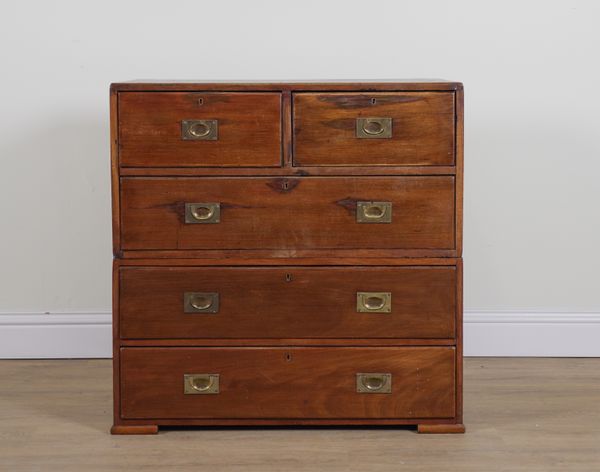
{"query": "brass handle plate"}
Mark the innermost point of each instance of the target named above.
(200, 384)
(201, 302)
(200, 130)
(374, 212)
(203, 213)
(374, 128)
(374, 383)
(373, 302)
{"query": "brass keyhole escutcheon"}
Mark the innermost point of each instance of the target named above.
(199, 130)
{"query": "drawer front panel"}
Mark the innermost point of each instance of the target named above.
(288, 213)
(368, 129)
(174, 129)
(288, 302)
(416, 382)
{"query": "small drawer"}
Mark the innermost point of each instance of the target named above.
(287, 302)
(374, 129)
(288, 213)
(177, 129)
(294, 382)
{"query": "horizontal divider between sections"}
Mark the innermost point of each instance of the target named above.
(299, 171)
(247, 256)
(250, 263)
(285, 343)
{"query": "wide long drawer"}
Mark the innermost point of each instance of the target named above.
(287, 302)
(391, 382)
(288, 213)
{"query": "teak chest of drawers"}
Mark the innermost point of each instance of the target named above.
(287, 254)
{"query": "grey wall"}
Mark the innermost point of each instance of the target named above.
(530, 70)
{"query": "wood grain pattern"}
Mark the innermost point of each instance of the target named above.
(249, 129)
(288, 382)
(325, 129)
(288, 302)
(261, 213)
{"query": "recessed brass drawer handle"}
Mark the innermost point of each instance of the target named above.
(374, 212)
(373, 302)
(200, 302)
(200, 130)
(374, 128)
(202, 213)
(374, 383)
(200, 384)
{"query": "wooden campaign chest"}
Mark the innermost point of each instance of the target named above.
(287, 254)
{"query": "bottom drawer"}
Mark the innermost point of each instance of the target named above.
(292, 382)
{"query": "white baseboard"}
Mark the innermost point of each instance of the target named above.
(512, 334)
(55, 335)
(525, 334)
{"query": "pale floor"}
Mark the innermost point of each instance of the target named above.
(521, 414)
